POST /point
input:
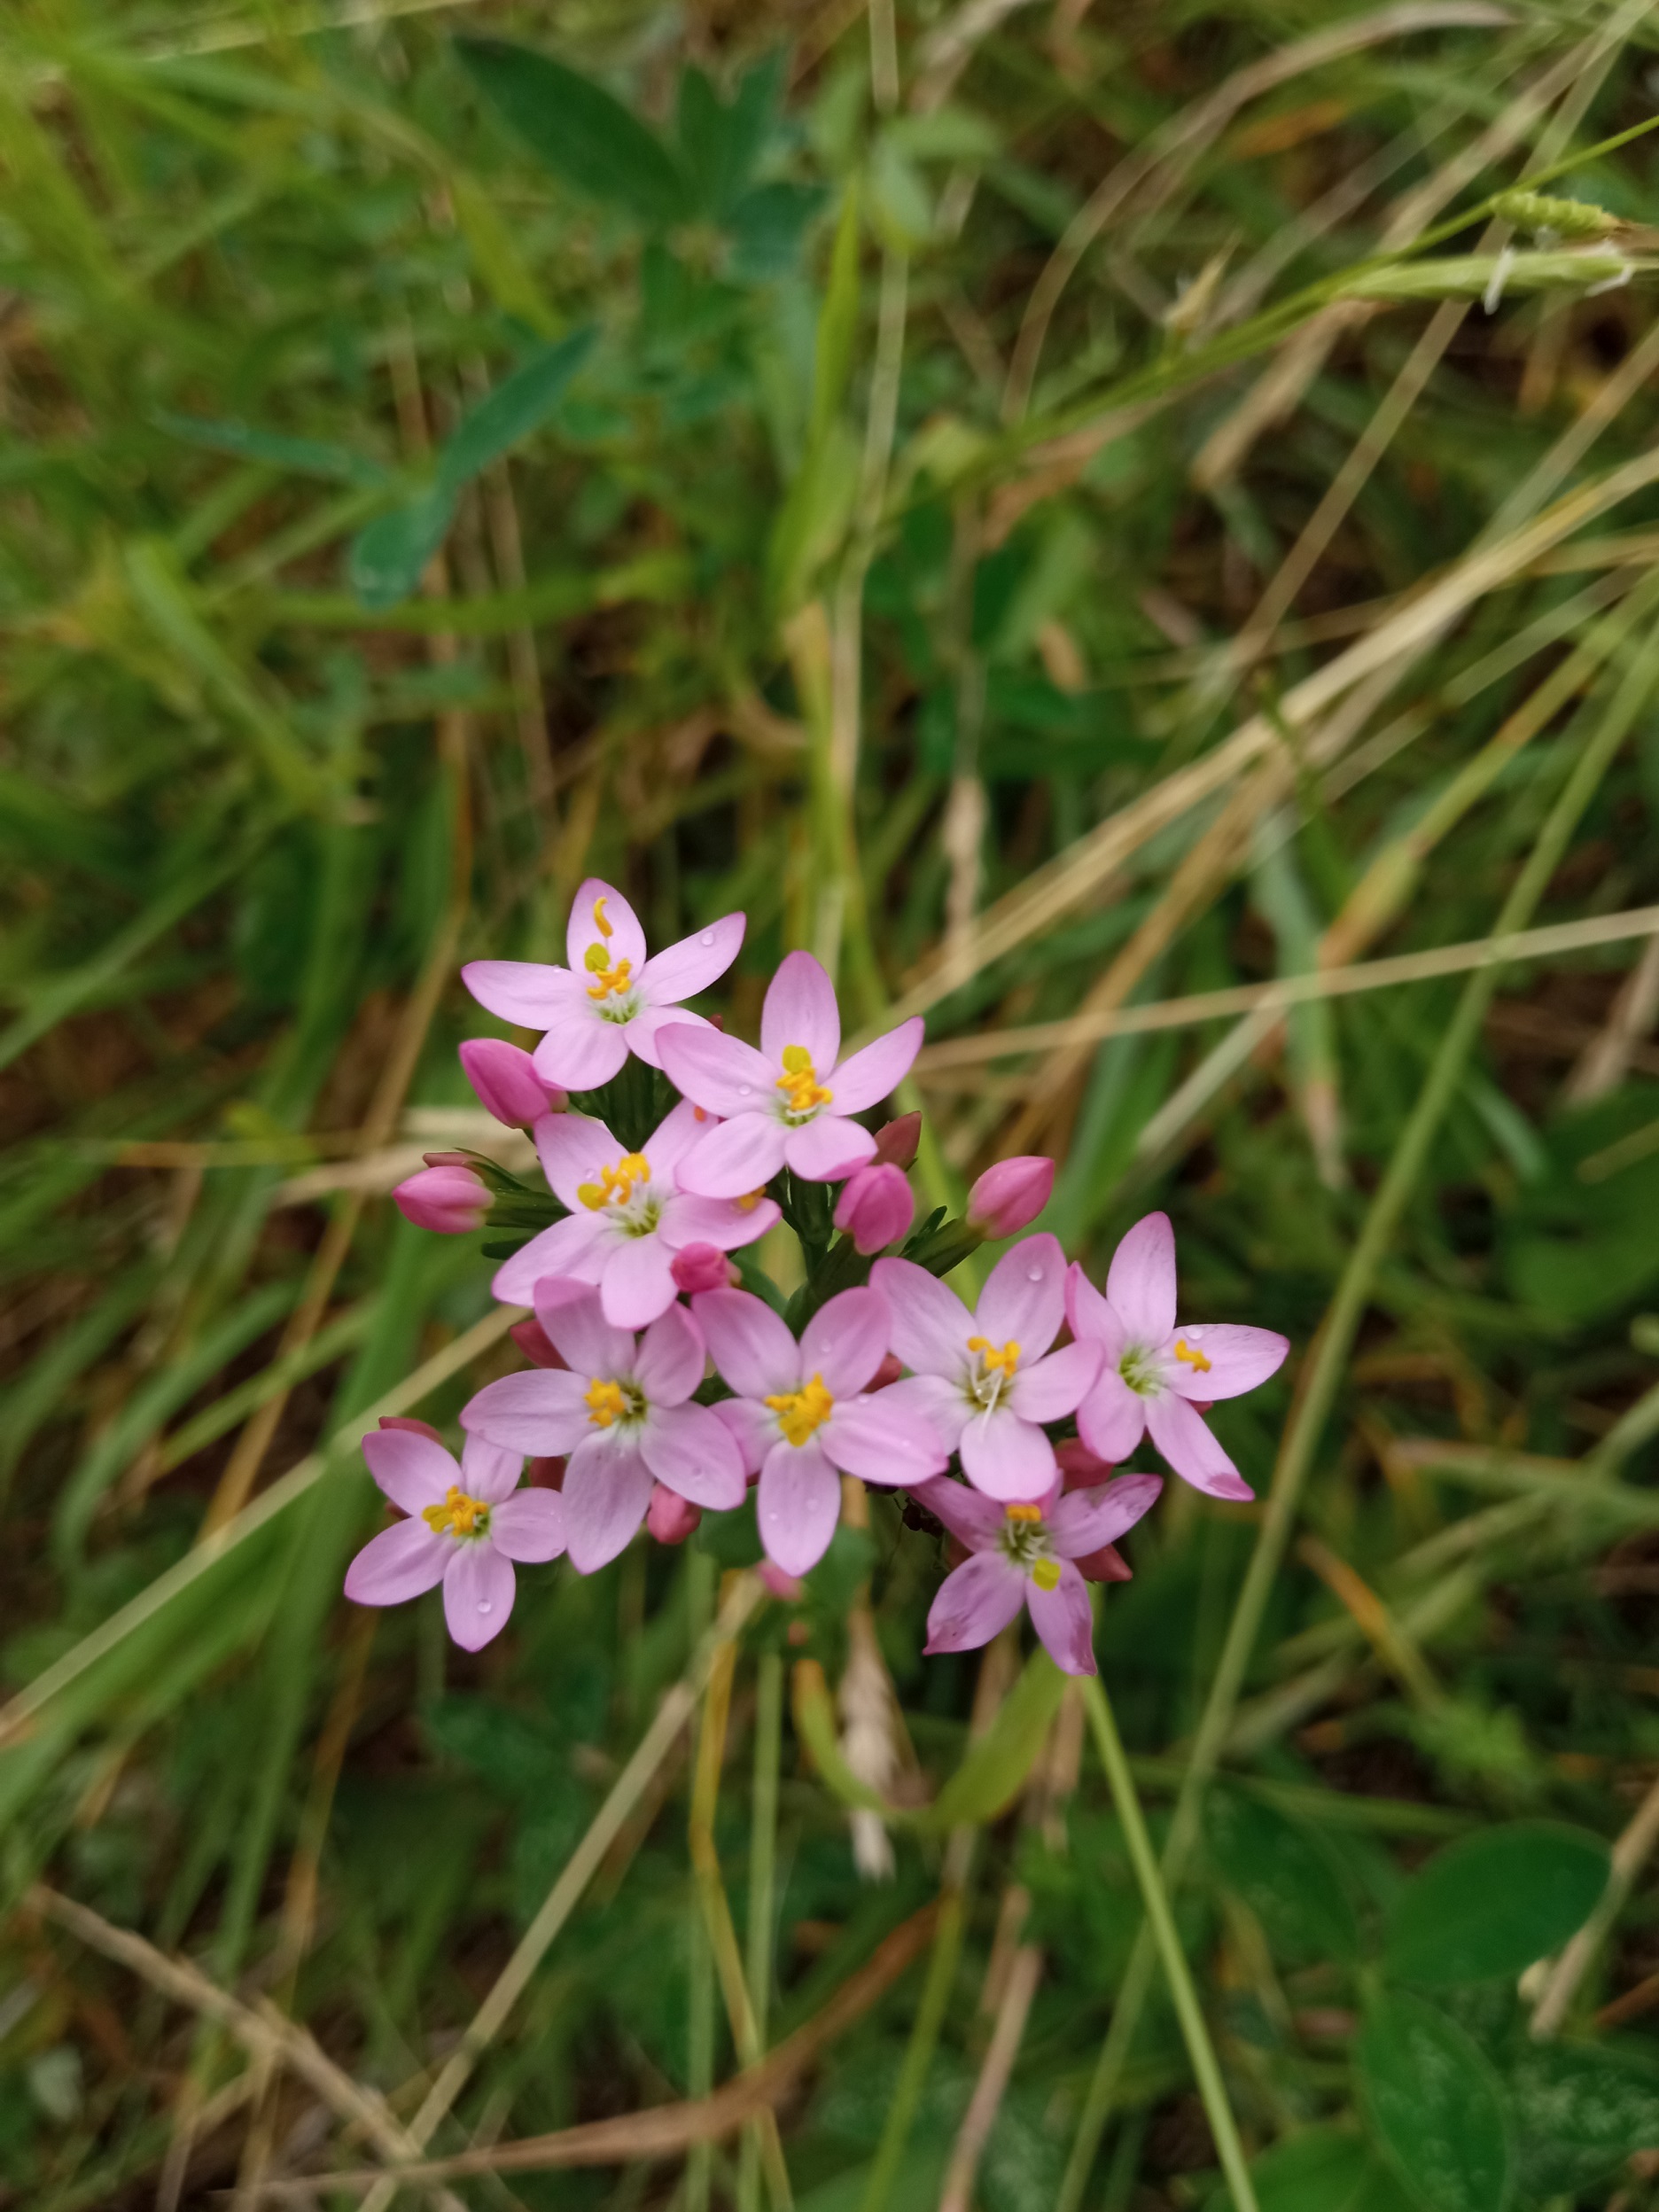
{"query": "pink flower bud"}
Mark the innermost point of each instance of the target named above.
(670, 1517)
(545, 1474)
(1079, 1468)
(876, 1207)
(1010, 1196)
(1106, 1565)
(702, 1267)
(408, 1421)
(451, 1200)
(897, 1142)
(890, 1370)
(536, 1345)
(788, 1587)
(507, 1083)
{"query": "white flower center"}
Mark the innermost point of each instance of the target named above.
(1023, 1541)
(990, 1371)
(1143, 1370)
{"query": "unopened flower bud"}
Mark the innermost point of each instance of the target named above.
(897, 1143)
(451, 1200)
(536, 1345)
(790, 1588)
(506, 1082)
(876, 1207)
(414, 1428)
(702, 1267)
(1010, 1196)
(1079, 1468)
(890, 1370)
(543, 1473)
(670, 1517)
(1106, 1565)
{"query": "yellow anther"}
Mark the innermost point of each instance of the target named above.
(458, 1515)
(604, 927)
(750, 1199)
(1046, 1574)
(1021, 1513)
(597, 960)
(801, 1411)
(799, 1082)
(605, 1403)
(1006, 1358)
(1191, 1354)
(616, 1184)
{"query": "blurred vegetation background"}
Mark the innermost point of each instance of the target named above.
(1091, 519)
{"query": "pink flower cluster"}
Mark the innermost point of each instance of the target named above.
(639, 1409)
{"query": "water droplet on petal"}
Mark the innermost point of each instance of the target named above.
(707, 938)
(485, 1606)
(743, 1090)
(1033, 1275)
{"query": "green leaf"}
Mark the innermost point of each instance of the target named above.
(1579, 2114)
(578, 129)
(1435, 2107)
(496, 256)
(1490, 1903)
(388, 554)
(245, 442)
(519, 404)
(1286, 1876)
(720, 142)
(837, 322)
(994, 1770)
(1319, 2169)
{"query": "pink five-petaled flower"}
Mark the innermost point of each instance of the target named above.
(801, 1412)
(466, 1525)
(982, 1379)
(617, 1414)
(611, 1000)
(1023, 1554)
(627, 1216)
(1152, 1371)
(788, 1103)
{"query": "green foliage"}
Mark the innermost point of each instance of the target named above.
(1490, 1904)
(1436, 2108)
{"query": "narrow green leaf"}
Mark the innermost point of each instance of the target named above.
(815, 1724)
(519, 404)
(1490, 1903)
(994, 1770)
(388, 554)
(1436, 2108)
(837, 322)
(245, 442)
(580, 131)
(720, 142)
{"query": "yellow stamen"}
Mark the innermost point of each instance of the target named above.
(597, 960)
(800, 1411)
(800, 1081)
(1191, 1354)
(750, 1199)
(605, 1403)
(601, 923)
(1021, 1513)
(458, 1515)
(1007, 1358)
(1046, 1574)
(616, 1184)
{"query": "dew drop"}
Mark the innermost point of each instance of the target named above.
(743, 1090)
(707, 938)
(1033, 1275)
(485, 1606)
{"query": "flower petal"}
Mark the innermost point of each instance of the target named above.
(490, 1471)
(625, 940)
(413, 1471)
(940, 1403)
(542, 1410)
(573, 1247)
(641, 1029)
(1005, 1457)
(845, 1341)
(529, 1525)
(1112, 1419)
(689, 1451)
(669, 1142)
(748, 1343)
(638, 1283)
(1185, 1439)
(606, 1492)
(526, 991)
(478, 1589)
(583, 1052)
(751, 1429)
(974, 1519)
(725, 1223)
(864, 1079)
(573, 1318)
(800, 1009)
(1238, 1358)
(1092, 1317)
(797, 1505)
(1051, 1389)
(1083, 1520)
(1062, 1619)
(401, 1562)
(975, 1603)
(735, 1159)
(680, 971)
(671, 1358)
(880, 1442)
(1140, 1281)
(1024, 1300)
(828, 1148)
(573, 1149)
(719, 1073)
(931, 1325)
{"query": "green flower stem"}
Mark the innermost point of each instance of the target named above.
(918, 2059)
(762, 1890)
(1161, 1920)
(700, 2168)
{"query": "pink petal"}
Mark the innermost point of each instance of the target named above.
(735, 1159)
(638, 1282)
(690, 1452)
(543, 1412)
(529, 1525)
(1051, 1389)
(1024, 1300)
(573, 1318)
(682, 971)
(797, 1505)
(974, 1520)
(827, 1149)
(606, 1491)
(671, 1358)
(975, 1603)
(1111, 1420)
(1240, 1357)
(1062, 1619)
(750, 1428)
(413, 1471)
(1186, 1442)
(478, 1590)
(671, 1140)
(641, 1029)
(721, 1074)
(1005, 1457)
(1083, 1520)
(845, 1341)
(523, 991)
(584, 1052)
(626, 940)
(800, 1009)
(866, 1078)
(489, 1471)
(723, 1222)
(748, 1343)
(574, 1247)
(931, 1325)
(1092, 1319)
(401, 1562)
(880, 1442)
(573, 1149)
(942, 1405)
(1140, 1281)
